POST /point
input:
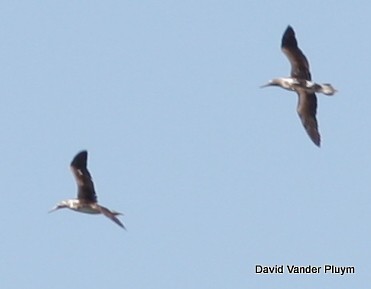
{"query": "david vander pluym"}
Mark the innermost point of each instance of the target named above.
(309, 269)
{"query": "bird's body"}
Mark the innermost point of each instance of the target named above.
(86, 201)
(294, 84)
(82, 207)
(301, 82)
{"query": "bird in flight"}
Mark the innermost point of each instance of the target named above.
(301, 82)
(86, 201)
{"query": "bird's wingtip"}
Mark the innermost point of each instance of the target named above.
(118, 222)
(316, 140)
(80, 159)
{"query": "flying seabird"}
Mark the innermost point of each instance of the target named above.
(301, 82)
(86, 201)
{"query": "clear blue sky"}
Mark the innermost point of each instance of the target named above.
(214, 174)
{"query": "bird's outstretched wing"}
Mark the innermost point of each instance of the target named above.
(299, 63)
(85, 185)
(307, 109)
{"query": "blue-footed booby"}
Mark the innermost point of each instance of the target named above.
(86, 201)
(301, 82)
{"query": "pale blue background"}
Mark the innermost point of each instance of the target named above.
(214, 174)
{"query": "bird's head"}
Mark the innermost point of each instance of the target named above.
(60, 205)
(272, 82)
(284, 82)
(288, 83)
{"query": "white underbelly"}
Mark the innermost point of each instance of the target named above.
(86, 210)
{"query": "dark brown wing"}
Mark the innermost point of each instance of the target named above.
(85, 186)
(111, 216)
(299, 63)
(307, 109)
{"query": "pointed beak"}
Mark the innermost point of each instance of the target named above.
(54, 209)
(265, 85)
